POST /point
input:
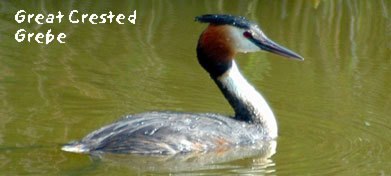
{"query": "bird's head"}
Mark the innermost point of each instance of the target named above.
(227, 35)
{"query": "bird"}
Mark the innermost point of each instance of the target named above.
(171, 133)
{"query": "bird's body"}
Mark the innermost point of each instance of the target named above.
(169, 133)
(177, 132)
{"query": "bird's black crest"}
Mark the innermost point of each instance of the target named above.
(217, 19)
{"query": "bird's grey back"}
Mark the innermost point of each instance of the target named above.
(170, 133)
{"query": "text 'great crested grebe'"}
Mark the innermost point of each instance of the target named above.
(166, 133)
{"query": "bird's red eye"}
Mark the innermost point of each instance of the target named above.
(247, 34)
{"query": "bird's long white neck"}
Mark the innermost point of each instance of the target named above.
(248, 103)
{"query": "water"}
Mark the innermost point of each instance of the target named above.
(333, 109)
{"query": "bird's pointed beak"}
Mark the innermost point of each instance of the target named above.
(268, 45)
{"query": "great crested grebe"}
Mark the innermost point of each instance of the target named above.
(164, 133)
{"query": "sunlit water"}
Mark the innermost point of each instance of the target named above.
(333, 109)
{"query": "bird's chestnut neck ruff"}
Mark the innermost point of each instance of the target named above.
(215, 51)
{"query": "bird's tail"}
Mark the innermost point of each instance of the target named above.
(75, 147)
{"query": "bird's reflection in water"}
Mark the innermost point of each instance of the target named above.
(240, 159)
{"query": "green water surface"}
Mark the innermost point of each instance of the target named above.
(333, 109)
